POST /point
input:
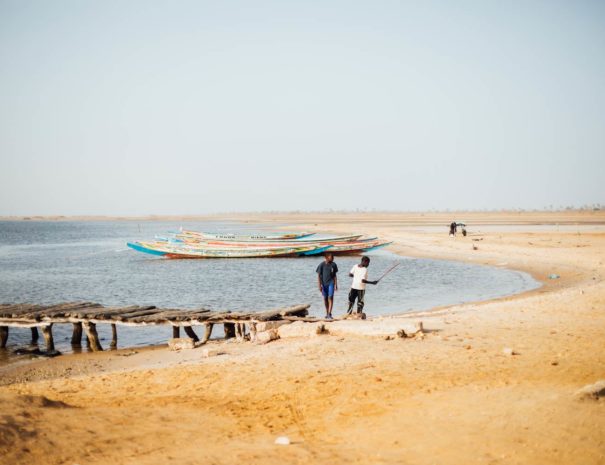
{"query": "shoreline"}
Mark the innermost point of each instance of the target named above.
(412, 313)
(328, 392)
(499, 217)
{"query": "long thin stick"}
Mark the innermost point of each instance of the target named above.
(388, 271)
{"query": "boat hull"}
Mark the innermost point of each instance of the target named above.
(173, 251)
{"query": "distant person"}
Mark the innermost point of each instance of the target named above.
(328, 282)
(359, 273)
(453, 228)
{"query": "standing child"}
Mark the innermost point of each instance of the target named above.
(328, 282)
(359, 273)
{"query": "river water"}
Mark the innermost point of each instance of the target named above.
(52, 262)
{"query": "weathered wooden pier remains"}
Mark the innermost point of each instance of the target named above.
(84, 316)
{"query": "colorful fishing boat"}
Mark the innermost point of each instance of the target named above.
(319, 240)
(169, 250)
(244, 237)
(355, 248)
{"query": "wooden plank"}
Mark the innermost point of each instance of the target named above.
(58, 311)
(131, 314)
(17, 310)
(53, 313)
(111, 313)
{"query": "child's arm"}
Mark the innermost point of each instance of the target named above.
(364, 280)
(335, 282)
(319, 282)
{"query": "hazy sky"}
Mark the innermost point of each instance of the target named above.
(184, 107)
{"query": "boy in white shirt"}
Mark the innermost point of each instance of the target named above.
(359, 273)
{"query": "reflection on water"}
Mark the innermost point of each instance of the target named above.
(51, 262)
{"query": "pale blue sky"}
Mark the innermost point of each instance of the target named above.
(185, 107)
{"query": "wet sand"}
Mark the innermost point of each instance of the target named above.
(454, 396)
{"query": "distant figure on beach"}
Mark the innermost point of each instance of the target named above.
(328, 282)
(359, 273)
(453, 228)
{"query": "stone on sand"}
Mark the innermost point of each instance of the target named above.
(508, 351)
(301, 329)
(267, 325)
(211, 353)
(594, 391)
(263, 337)
(283, 441)
(179, 343)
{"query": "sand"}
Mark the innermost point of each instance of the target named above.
(455, 396)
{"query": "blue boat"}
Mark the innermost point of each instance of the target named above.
(316, 251)
(141, 248)
(376, 247)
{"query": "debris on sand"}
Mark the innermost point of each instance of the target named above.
(594, 391)
(282, 441)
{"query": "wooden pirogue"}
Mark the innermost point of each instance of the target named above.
(86, 315)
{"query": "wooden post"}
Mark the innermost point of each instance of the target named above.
(3, 336)
(176, 332)
(252, 331)
(47, 332)
(229, 330)
(76, 335)
(207, 332)
(93, 337)
(114, 336)
(35, 335)
(191, 333)
(240, 332)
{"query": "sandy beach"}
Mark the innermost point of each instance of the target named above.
(487, 383)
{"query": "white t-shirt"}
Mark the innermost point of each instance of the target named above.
(359, 274)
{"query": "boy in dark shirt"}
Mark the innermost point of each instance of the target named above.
(328, 282)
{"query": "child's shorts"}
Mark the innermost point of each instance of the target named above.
(328, 291)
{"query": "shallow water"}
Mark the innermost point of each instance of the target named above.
(51, 262)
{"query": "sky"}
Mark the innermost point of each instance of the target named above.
(192, 107)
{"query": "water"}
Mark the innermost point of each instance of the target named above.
(52, 262)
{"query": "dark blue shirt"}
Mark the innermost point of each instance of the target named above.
(327, 272)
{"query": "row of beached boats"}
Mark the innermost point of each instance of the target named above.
(193, 244)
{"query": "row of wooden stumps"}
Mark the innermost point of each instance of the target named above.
(232, 330)
(92, 337)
